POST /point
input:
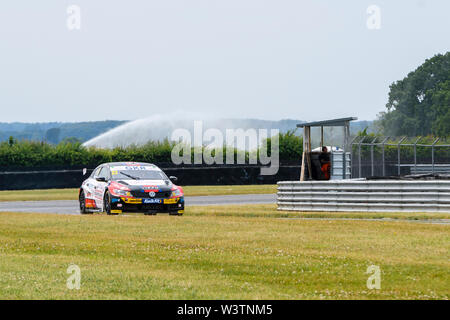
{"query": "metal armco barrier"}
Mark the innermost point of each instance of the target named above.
(365, 196)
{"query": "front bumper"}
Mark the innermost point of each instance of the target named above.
(146, 205)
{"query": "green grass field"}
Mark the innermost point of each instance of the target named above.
(270, 211)
(211, 255)
(72, 194)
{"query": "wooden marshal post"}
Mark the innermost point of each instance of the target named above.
(306, 155)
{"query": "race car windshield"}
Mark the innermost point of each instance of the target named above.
(139, 175)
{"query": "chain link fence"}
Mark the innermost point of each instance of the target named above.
(379, 156)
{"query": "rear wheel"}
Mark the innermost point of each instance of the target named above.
(107, 204)
(82, 200)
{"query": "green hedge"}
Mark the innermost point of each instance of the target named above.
(33, 154)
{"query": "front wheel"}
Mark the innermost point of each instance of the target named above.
(107, 204)
(82, 200)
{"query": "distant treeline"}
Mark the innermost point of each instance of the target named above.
(21, 154)
(55, 132)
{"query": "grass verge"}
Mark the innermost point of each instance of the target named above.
(219, 257)
(270, 211)
(72, 194)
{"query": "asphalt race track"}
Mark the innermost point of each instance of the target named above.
(71, 206)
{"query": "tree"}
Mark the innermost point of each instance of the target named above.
(52, 135)
(290, 144)
(420, 103)
(440, 100)
(11, 141)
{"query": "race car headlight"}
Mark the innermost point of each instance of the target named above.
(176, 193)
(121, 192)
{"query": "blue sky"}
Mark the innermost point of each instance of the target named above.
(261, 59)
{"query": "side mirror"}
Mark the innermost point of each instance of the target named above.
(101, 179)
(173, 179)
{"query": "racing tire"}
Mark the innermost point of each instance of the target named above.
(175, 213)
(82, 200)
(107, 204)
